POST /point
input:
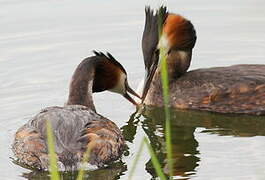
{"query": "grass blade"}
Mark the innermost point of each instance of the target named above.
(165, 88)
(164, 79)
(53, 169)
(155, 161)
(85, 159)
(136, 159)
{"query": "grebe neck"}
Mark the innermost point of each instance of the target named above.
(80, 91)
(178, 62)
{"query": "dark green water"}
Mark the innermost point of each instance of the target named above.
(184, 126)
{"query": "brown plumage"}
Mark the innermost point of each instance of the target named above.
(77, 126)
(234, 89)
(179, 32)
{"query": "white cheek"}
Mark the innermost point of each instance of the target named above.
(120, 86)
(163, 42)
(183, 54)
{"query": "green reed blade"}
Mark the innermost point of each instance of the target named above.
(164, 79)
(53, 169)
(155, 161)
(136, 159)
(85, 159)
(165, 88)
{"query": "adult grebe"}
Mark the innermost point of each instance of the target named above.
(77, 126)
(234, 89)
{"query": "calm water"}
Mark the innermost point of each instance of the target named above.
(41, 43)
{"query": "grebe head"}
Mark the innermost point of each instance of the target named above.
(176, 37)
(110, 75)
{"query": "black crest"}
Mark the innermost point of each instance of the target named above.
(109, 57)
(154, 20)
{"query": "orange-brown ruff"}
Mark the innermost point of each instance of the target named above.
(76, 126)
(233, 89)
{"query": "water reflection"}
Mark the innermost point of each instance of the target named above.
(186, 156)
(113, 171)
(184, 145)
(184, 126)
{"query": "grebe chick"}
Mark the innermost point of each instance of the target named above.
(77, 125)
(234, 89)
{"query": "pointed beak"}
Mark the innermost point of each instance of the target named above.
(131, 91)
(149, 76)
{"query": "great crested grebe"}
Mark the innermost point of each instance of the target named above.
(233, 89)
(77, 126)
